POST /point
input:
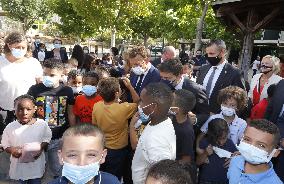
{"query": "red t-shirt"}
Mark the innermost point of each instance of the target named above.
(258, 111)
(84, 106)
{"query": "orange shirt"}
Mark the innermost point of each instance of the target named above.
(84, 106)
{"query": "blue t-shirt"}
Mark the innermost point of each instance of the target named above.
(105, 178)
(236, 174)
(215, 171)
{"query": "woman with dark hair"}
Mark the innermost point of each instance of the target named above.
(86, 50)
(87, 63)
(78, 54)
(18, 72)
(58, 52)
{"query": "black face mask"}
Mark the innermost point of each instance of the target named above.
(264, 67)
(213, 60)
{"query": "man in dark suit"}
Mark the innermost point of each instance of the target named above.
(169, 52)
(142, 71)
(58, 52)
(218, 74)
(171, 73)
(275, 113)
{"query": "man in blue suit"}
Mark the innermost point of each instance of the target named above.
(142, 71)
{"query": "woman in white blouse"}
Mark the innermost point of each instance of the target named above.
(260, 82)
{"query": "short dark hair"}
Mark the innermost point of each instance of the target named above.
(185, 100)
(84, 129)
(169, 172)
(14, 37)
(268, 127)
(101, 70)
(114, 72)
(73, 74)
(57, 39)
(53, 63)
(92, 74)
(218, 42)
(114, 51)
(172, 66)
(107, 88)
(217, 128)
(161, 94)
(138, 50)
(236, 93)
(25, 96)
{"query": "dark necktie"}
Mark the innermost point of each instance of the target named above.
(139, 83)
(209, 83)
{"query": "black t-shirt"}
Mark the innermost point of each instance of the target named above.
(184, 138)
(52, 106)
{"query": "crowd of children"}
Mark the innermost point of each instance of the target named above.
(95, 127)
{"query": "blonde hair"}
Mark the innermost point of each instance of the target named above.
(275, 63)
(73, 62)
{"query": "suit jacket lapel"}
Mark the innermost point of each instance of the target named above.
(219, 83)
(203, 74)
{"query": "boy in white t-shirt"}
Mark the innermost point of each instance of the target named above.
(158, 140)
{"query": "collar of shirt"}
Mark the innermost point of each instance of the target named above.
(221, 66)
(148, 68)
(179, 85)
(234, 122)
(256, 178)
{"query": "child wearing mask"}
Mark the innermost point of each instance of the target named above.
(158, 139)
(232, 99)
(184, 101)
(26, 139)
(257, 147)
(75, 81)
(112, 117)
(81, 155)
(58, 101)
(215, 152)
(84, 103)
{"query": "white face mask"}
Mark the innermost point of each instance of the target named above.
(228, 111)
(253, 154)
(138, 70)
(76, 89)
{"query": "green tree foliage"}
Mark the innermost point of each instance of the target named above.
(71, 22)
(25, 11)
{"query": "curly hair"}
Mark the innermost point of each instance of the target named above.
(108, 87)
(138, 50)
(236, 93)
(14, 37)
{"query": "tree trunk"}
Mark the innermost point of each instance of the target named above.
(199, 28)
(113, 32)
(145, 38)
(245, 57)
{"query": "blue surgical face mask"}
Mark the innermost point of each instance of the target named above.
(48, 81)
(80, 174)
(89, 90)
(142, 116)
(57, 45)
(18, 53)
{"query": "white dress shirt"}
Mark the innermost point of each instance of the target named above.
(218, 71)
(179, 85)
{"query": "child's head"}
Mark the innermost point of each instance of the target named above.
(184, 101)
(75, 80)
(167, 172)
(73, 63)
(24, 108)
(232, 99)
(259, 142)
(102, 72)
(109, 89)
(156, 99)
(90, 82)
(82, 145)
(52, 72)
(217, 133)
